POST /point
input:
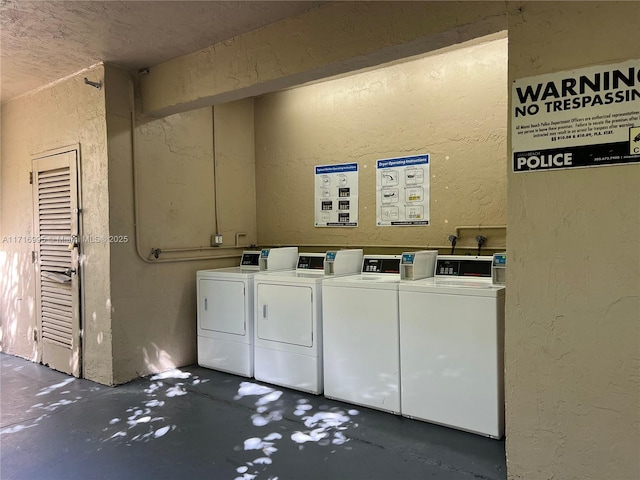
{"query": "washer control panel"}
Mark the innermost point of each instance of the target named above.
(381, 265)
(310, 261)
(450, 266)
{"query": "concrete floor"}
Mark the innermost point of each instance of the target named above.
(195, 423)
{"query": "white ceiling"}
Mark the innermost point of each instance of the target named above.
(43, 41)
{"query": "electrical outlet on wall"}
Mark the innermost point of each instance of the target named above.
(216, 240)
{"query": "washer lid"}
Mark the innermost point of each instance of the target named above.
(372, 281)
(477, 288)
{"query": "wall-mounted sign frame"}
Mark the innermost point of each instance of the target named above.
(588, 117)
(336, 195)
(402, 191)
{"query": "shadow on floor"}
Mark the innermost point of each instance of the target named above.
(194, 423)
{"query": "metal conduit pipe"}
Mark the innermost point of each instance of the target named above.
(136, 211)
(198, 249)
(201, 249)
(192, 259)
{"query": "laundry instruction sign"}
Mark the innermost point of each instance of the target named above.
(402, 191)
(580, 118)
(336, 195)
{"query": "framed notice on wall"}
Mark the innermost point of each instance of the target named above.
(336, 195)
(402, 191)
(581, 118)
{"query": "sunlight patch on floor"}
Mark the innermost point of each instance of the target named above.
(324, 427)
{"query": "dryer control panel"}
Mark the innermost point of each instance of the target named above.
(250, 260)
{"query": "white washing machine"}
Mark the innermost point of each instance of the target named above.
(451, 347)
(288, 319)
(225, 311)
(361, 333)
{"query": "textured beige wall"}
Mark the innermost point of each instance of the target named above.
(451, 105)
(236, 171)
(573, 307)
(175, 157)
(66, 113)
(154, 306)
(335, 38)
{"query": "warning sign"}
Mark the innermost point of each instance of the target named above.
(581, 118)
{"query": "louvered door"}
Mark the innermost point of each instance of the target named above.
(55, 196)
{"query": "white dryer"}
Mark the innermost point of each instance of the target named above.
(225, 311)
(288, 319)
(225, 316)
(451, 347)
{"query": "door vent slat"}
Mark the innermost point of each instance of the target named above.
(54, 222)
